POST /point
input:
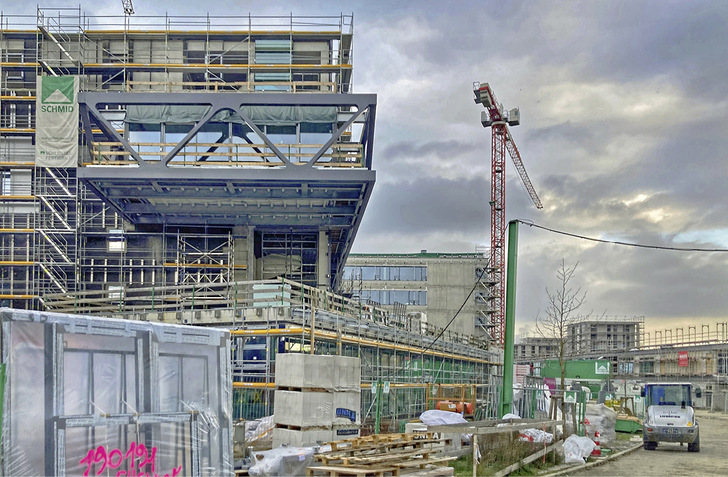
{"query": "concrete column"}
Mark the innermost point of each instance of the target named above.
(323, 260)
(243, 253)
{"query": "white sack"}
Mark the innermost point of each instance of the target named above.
(577, 449)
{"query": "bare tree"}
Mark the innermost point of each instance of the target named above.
(563, 304)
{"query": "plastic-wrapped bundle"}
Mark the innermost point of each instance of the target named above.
(282, 461)
(602, 419)
(577, 449)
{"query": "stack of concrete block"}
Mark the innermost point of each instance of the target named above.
(450, 441)
(317, 399)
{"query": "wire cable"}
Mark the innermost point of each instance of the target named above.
(617, 242)
(459, 309)
(477, 281)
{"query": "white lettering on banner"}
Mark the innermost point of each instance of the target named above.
(56, 121)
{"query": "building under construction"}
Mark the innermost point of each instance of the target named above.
(221, 170)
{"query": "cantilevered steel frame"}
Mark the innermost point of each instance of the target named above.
(311, 195)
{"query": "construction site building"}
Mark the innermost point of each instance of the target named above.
(533, 348)
(224, 167)
(426, 287)
(609, 334)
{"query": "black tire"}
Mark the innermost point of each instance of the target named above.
(650, 445)
(695, 446)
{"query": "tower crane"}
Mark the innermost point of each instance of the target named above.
(498, 119)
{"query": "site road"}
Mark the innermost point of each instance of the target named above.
(671, 459)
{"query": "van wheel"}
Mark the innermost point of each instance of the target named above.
(695, 446)
(649, 445)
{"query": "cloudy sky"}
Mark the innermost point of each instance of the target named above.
(624, 133)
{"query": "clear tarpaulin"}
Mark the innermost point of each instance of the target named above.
(96, 396)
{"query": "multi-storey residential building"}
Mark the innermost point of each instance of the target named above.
(605, 335)
(427, 286)
(532, 348)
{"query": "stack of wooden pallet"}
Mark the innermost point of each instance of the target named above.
(384, 455)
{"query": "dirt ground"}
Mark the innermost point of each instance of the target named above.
(672, 459)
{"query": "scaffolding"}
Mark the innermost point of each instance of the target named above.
(59, 234)
(183, 219)
(268, 317)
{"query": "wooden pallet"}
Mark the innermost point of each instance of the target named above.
(384, 455)
(379, 439)
(373, 456)
(346, 471)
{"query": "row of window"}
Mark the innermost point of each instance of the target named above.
(383, 273)
(390, 297)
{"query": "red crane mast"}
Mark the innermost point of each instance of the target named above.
(496, 118)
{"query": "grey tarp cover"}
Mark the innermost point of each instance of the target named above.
(260, 115)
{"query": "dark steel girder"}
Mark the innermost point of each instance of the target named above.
(287, 195)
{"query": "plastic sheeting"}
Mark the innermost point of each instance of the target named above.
(87, 395)
(529, 435)
(603, 419)
(282, 461)
(577, 449)
(535, 435)
(436, 418)
(259, 114)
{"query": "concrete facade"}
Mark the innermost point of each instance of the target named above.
(531, 348)
(431, 285)
(604, 335)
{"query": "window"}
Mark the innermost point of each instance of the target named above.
(390, 297)
(482, 297)
(17, 115)
(386, 273)
(306, 57)
(273, 52)
(269, 81)
(306, 79)
(5, 183)
(16, 182)
(482, 322)
(668, 395)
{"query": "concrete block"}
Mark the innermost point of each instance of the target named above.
(455, 439)
(347, 407)
(347, 374)
(297, 370)
(415, 427)
(306, 438)
(303, 409)
(340, 432)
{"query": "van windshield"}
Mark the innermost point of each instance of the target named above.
(669, 395)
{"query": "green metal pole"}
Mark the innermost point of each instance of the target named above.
(2, 402)
(507, 390)
(378, 406)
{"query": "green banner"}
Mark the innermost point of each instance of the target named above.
(56, 121)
